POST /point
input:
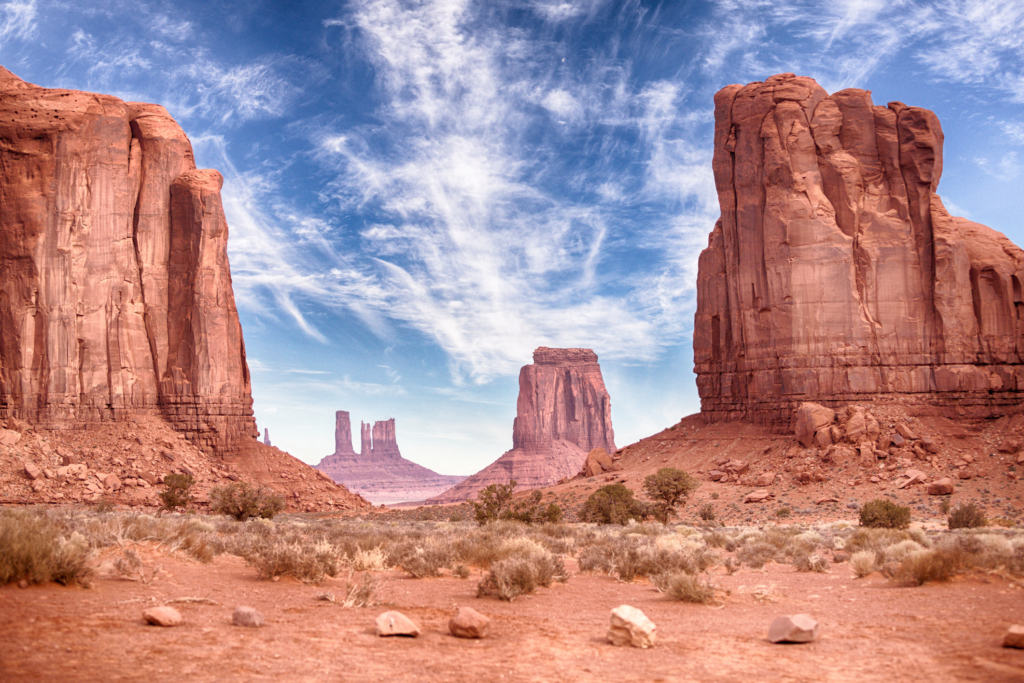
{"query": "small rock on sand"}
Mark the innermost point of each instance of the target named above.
(468, 623)
(162, 616)
(798, 628)
(396, 624)
(247, 616)
(630, 626)
(1014, 637)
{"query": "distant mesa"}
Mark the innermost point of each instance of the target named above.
(835, 274)
(266, 436)
(379, 472)
(563, 413)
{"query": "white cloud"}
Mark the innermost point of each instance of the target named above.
(17, 20)
(1005, 169)
(1014, 130)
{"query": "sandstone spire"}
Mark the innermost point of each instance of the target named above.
(562, 414)
(115, 290)
(379, 472)
(835, 274)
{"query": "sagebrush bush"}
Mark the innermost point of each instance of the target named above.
(243, 500)
(493, 501)
(35, 548)
(706, 512)
(967, 516)
(515, 576)
(309, 563)
(684, 587)
(863, 563)
(882, 513)
(922, 566)
(810, 563)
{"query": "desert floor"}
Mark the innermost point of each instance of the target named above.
(870, 629)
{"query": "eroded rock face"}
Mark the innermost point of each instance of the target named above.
(835, 274)
(379, 472)
(115, 290)
(563, 413)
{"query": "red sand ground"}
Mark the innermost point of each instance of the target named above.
(870, 630)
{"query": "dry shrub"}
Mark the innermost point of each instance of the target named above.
(685, 587)
(863, 563)
(922, 566)
(243, 500)
(362, 593)
(877, 539)
(810, 563)
(374, 559)
(756, 553)
(882, 513)
(720, 539)
(309, 563)
(515, 576)
(968, 516)
(34, 548)
(426, 557)
(627, 557)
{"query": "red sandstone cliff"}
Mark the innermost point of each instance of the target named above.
(115, 290)
(835, 274)
(379, 472)
(562, 414)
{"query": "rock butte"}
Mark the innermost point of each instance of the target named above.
(115, 290)
(835, 274)
(562, 414)
(379, 472)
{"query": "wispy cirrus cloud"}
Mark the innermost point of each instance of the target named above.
(17, 20)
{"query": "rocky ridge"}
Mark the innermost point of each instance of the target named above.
(836, 275)
(379, 472)
(562, 414)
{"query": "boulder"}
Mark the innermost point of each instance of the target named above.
(468, 623)
(905, 431)
(1010, 445)
(941, 487)
(598, 462)
(811, 417)
(32, 471)
(247, 616)
(716, 475)
(9, 437)
(823, 437)
(162, 616)
(765, 479)
(1014, 637)
(630, 626)
(897, 440)
(394, 623)
(798, 628)
(911, 477)
(758, 496)
(111, 482)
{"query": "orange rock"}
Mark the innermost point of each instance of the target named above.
(835, 274)
(115, 271)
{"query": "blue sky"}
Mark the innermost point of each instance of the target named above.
(421, 193)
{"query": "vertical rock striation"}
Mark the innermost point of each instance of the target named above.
(115, 290)
(379, 472)
(562, 414)
(835, 274)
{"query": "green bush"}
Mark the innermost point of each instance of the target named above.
(492, 501)
(177, 491)
(612, 504)
(667, 488)
(884, 514)
(526, 510)
(783, 512)
(243, 500)
(707, 512)
(968, 516)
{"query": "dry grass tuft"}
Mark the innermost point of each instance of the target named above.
(685, 587)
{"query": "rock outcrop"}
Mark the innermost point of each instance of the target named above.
(563, 413)
(266, 437)
(835, 274)
(379, 472)
(115, 290)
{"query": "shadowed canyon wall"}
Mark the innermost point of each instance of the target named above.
(115, 290)
(835, 273)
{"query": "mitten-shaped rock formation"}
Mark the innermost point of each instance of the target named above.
(379, 472)
(563, 413)
(115, 290)
(835, 274)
